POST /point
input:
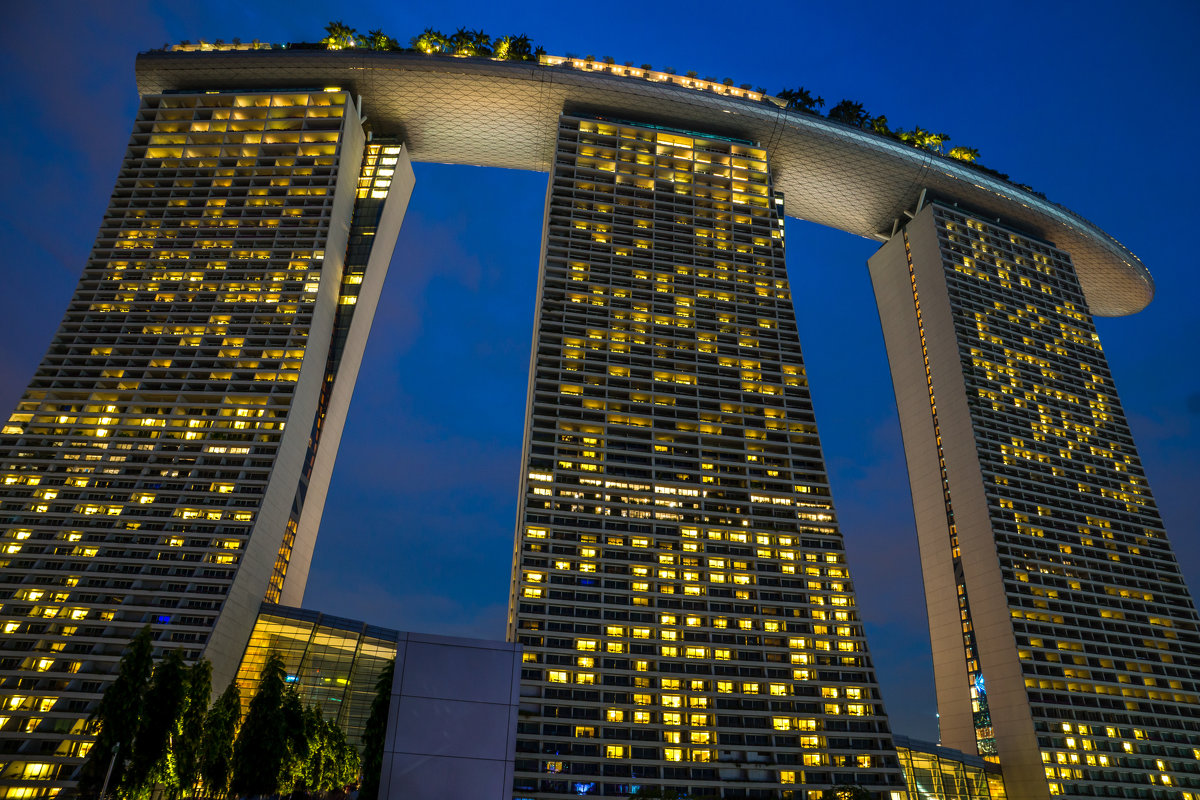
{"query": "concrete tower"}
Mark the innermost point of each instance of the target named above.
(168, 463)
(1064, 638)
(680, 582)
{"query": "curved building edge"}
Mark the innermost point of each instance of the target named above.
(482, 112)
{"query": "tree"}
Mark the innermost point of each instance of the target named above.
(375, 734)
(851, 113)
(801, 100)
(378, 40)
(462, 43)
(852, 791)
(431, 41)
(331, 763)
(299, 734)
(216, 750)
(518, 48)
(964, 153)
(166, 697)
(191, 729)
(481, 43)
(340, 36)
(260, 752)
(115, 720)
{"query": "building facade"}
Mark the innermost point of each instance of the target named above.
(168, 463)
(1064, 639)
(333, 663)
(933, 772)
(680, 585)
(679, 579)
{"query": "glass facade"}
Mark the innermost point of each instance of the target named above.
(680, 587)
(938, 773)
(332, 662)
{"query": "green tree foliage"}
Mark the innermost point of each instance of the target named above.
(332, 763)
(150, 760)
(260, 752)
(339, 36)
(115, 720)
(378, 40)
(431, 41)
(512, 48)
(963, 153)
(481, 43)
(375, 734)
(801, 100)
(156, 720)
(191, 727)
(462, 43)
(851, 113)
(298, 726)
(465, 42)
(216, 748)
(852, 791)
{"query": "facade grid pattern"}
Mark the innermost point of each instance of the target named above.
(1079, 615)
(135, 469)
(680, 584)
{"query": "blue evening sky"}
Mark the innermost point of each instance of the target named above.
(1095, 104)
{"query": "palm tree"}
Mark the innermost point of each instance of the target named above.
(851, 113)
(518, 48)
(462, 43)
(340, 36)
(482, 43)
(430, 41)
(964, 153)
(500, 48)
(378, 40)
(801, 100)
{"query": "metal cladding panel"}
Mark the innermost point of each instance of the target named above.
(502, 114)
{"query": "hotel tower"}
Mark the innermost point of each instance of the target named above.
(679, 585)
(169, 461)
(1064, 639)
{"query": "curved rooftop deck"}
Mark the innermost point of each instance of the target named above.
(504, 114)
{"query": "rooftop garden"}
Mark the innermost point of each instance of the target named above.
(465, 43)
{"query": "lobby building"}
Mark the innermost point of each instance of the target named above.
(332, 662)
(680, 594)
(933, 772)
(1065, 642)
